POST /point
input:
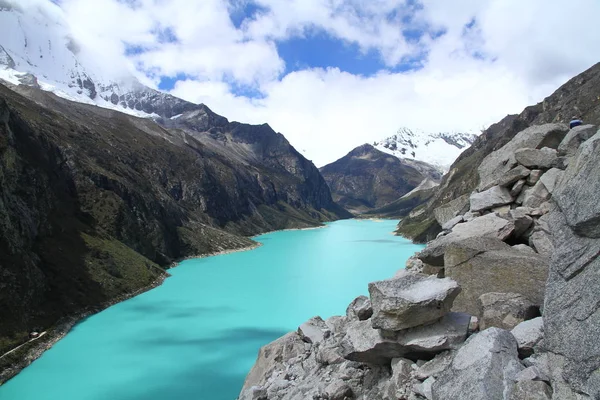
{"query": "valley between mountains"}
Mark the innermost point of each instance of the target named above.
(106, 184)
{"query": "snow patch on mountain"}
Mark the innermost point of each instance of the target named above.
(439, 149)
(37, 48)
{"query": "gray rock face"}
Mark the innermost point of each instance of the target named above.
(493, 197)
(410, 300)
(575, 138)
(531, 390)
(505, 310)
(540, 362)
(433, 270)
(502, 210)
(535, 196)
(550, 178)
(336, 324)
(314, 330)
(436, 366)
(465, 249)
(578, 196)
(400, 383)
(497, 163)
(521, 219)
(360, 309)
(281, 350)
(483, 369)
(498, 271)
(487, 226)
(362, 343)
(524, 248)
(449, 210)
(542, 243)
(534, 176)
(518, 187)
(534, 158)
(517, 173)
(571, 317)
(446, 334)
(452, 223)
(532, 373)
(528, 334)
(254, 393)
(413, 264)
(339, 390)
(424, 389)
(471, 216)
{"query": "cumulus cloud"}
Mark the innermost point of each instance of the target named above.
(478, 60)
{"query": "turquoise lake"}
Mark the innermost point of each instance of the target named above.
(197, 335)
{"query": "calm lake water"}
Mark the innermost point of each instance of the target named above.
(197, 335)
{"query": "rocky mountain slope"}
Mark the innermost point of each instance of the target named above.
(578, 96)
(95, 203)
(367, 178)
(502, 305)
(440, 149)
(406, 204)
(38, 48)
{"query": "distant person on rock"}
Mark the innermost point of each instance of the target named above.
(575, 122)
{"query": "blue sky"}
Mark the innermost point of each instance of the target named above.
(318, 49)
(315, 48)
(331, 75)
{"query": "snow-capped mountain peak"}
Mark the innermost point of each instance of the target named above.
(37, 48)
(440, 149)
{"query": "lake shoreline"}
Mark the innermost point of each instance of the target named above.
(29, 354)
(62, 328)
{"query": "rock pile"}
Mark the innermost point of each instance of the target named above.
(502, 305)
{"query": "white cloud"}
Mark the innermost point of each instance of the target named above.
(515, 54)
(530, 50)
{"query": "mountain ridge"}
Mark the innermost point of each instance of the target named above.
(367, 178)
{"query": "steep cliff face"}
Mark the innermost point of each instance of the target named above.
(94, 202)
(367, 178)
(579, 96)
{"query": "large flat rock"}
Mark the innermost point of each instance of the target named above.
(362, 343)
(536, 158)
(465, 249)
(487, 226)
(505, 310)
(483, 369)
(500, 271)
(493, 197)
(410, 299)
